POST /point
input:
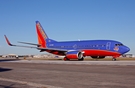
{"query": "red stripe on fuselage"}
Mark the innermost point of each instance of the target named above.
(92, 52)
(100, 53)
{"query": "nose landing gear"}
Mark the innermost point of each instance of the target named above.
(114, 57)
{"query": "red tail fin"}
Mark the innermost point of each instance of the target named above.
(41, 35)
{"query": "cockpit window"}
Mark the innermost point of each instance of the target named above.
(118, 44)
(121, 44)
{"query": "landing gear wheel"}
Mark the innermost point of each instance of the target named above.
(113, 59)
(66, 59)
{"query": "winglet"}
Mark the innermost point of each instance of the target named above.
(8, 42)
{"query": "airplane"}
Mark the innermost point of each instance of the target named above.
(75, 50)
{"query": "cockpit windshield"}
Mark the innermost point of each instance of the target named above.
(118, 44)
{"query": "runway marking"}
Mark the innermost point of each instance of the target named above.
(29, 83)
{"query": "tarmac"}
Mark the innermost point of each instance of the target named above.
(66, 74)
(77, 62)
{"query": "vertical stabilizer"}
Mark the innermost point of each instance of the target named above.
(41, 35)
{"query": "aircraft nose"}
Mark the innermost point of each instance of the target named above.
(126, 49)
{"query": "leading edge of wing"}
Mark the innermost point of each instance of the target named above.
(30, 43)
(39, 48)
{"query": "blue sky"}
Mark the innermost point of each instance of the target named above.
(66, 20)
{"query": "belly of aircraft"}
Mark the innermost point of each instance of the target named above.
(100, 53)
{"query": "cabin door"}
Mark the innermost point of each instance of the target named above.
(108, 45)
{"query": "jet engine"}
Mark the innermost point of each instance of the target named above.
(74, 55)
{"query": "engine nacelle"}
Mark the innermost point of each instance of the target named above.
(74, 55)
(98, 57)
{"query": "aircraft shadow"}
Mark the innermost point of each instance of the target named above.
(4, 69)
(4, 60)
(5, 86)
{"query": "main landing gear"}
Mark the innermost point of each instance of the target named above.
(114, 59)
(66, 59)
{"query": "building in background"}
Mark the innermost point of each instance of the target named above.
(10, 56)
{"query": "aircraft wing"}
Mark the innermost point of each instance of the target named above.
(39, 48)
(30, 43)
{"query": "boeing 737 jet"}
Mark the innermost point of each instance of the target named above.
(76, 50)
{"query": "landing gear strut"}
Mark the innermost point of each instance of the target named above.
(114, 59)
(66, 59)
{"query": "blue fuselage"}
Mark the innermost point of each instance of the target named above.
(106, 45)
